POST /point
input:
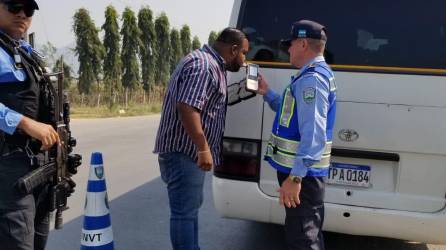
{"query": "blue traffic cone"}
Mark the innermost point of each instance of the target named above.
(97, 231)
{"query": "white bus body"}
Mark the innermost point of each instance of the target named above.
(391, 116)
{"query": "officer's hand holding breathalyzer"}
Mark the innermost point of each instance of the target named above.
(263, 85)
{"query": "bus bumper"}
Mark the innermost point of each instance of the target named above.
(244, 200)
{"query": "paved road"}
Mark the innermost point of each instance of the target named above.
(139, 206)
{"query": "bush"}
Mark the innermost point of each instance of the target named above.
(99, 103)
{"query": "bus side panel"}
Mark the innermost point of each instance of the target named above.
(244, 119)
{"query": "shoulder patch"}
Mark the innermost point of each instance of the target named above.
(309, 94)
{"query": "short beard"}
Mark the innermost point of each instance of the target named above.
(232, 67)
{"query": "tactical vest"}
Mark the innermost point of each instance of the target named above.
(285, 137)
(31, 98)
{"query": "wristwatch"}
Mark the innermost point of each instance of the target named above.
(295, 179)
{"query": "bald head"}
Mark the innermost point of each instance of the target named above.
(232, 45)
(231, 36)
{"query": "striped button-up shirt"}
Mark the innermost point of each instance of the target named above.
(199, 80)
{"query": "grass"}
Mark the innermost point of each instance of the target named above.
(116, 111)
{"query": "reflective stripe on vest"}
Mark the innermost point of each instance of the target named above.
(333, 86)
(287, 108)
(287, 160)
(283, 152)
(290, 146)
(331, 81)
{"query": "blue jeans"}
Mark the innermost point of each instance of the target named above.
(185, 189)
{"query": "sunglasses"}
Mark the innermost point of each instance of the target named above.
(15, 8)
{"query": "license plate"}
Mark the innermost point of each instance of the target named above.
(349, 175)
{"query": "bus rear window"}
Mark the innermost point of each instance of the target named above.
(400, 33)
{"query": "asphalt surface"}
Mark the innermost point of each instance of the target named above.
(139, 205)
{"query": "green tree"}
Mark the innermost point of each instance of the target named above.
(186, 43)
(130, 43)
(147, 47)
(212, 38)
(112, 61)
(163, 49)
(176, 50)
(67, 78)
(89, 50)
(196, 43)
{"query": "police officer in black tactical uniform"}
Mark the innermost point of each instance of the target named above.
(25, 112)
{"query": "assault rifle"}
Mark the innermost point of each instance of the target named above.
(59, 164)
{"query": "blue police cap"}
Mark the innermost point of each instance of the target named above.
(305, 29)
(31, 2)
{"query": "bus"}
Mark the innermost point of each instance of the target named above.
(388, 171)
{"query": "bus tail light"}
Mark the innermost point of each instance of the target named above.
(241, 160)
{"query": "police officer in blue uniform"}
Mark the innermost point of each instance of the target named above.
(25, 106)
(300, 144)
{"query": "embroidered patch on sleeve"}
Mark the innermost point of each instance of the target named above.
(309, 95)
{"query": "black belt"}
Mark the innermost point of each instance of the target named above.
(11, 144)
(19, 141)
(16, 140)
(10, 150)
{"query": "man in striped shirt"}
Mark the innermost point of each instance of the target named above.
(189, 138)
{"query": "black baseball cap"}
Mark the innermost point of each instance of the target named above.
(30, 2)
(305, 29)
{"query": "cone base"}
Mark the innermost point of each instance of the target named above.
(109, 246)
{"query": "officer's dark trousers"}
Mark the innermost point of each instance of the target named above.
(24, 220)
(303, 224)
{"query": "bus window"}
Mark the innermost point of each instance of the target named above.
(400, 33)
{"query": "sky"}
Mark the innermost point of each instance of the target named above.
(54, 21)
